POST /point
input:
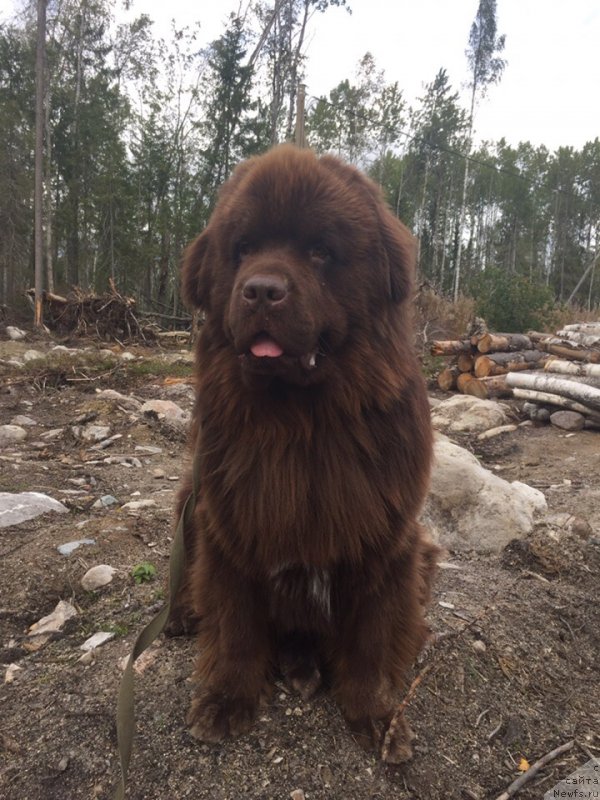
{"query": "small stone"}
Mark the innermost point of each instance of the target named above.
(63, 763)
(443, 604)
(91, 433)
(69, 547)
(297, 794)
(98, 576)
(97, 640)
(11, 673)
(105, 501)
(54, 433)
(11, 434)
(568, 420)
(32, 355)
(479, 646)
(127, 356)
(148, 449)
(158, 473)
(165, 409)
(15, 334)
(137, 505)
(22, 420)
(55, 621)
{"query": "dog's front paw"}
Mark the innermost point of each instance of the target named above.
(397, 742)
(213, 716)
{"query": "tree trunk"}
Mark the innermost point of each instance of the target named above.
(40, 61)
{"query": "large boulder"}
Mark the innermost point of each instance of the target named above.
(470, 508)
(462, 413)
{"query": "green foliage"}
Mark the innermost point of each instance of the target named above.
(510, 303)
(143, 573)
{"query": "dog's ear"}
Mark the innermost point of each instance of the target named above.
(195, 273)
(399, 248)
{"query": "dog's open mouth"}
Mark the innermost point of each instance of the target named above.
(265, 352)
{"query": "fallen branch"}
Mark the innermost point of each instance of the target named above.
(533, 770)
(395, 721)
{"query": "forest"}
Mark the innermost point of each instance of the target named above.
(140, 130)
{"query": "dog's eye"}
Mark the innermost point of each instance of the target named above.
(320, 254)
(242, 249)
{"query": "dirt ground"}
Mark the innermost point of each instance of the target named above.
(511, 673)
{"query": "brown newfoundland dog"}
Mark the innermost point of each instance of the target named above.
(313, 440)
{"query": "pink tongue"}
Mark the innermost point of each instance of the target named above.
(266, 348)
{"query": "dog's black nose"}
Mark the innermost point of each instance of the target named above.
(265, 290)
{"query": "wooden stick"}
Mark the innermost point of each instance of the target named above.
(395, 721)
(533, 770)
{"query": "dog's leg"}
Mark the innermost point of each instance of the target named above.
(235, 652)
(382, 632)
(298, 661)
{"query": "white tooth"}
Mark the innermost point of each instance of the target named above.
(312, 361)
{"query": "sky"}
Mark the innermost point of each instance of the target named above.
(550, 89)
(549, 92)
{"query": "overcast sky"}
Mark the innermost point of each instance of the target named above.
(550, 90)
(549, 93)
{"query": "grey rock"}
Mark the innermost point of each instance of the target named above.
(105, 501)
(97, 576)
(69, 547)
(567, 420)
(15, 334)
(11, 434)
(465, 414)
(470, 508)
(17, 508)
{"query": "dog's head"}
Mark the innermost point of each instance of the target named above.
(300, 257)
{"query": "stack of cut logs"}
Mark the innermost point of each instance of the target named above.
(546, 371)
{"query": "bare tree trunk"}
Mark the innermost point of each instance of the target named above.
(39, 159)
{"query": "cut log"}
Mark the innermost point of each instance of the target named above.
(580, 338)
(569, 368)
(493, 342)
(579, 392)
(447, 378)
(549, 399)
(592, 328)
(564, 348)
(501, 363)
(450, 348)
(487, 388)
(465, 362)
(463, 379)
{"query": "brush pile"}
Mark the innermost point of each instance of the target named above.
(548, 372)
(109, 316)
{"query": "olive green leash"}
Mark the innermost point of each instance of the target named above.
(125, 709)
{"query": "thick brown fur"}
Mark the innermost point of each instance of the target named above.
(305, 554)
